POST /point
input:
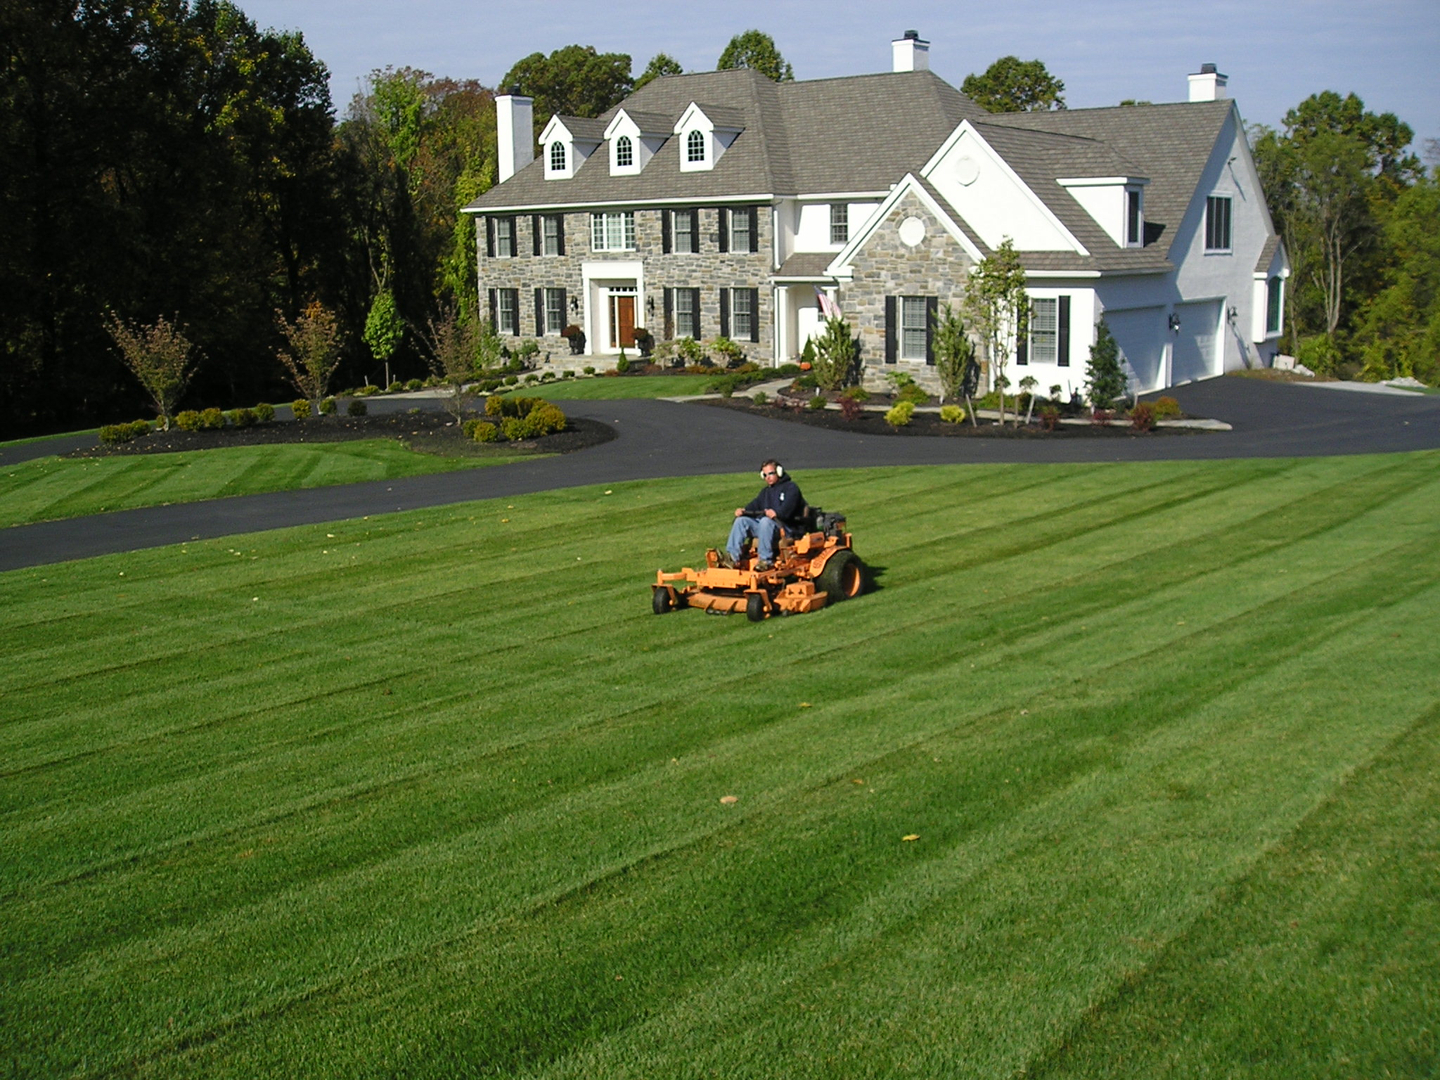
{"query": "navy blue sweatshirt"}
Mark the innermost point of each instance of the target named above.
(784, 498)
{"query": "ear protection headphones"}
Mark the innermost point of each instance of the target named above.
(779, 471)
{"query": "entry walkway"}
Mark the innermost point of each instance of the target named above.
(664, 439)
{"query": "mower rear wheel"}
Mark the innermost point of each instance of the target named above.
(661, 603)
(755, 607)
(843, 577)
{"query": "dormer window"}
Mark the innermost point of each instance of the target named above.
(557, 156)
(695, 146)
(565, 144)
(1134, 222)
(624, 152)
(705, 133)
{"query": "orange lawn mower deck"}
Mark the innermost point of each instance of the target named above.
(810, 571)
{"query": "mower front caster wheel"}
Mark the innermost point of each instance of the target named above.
(755, 607)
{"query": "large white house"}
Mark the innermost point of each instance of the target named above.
(720, 203)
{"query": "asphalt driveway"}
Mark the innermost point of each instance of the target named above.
(660, 439)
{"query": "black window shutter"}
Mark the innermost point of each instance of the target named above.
(515, 305)
(536, 233)
(1022, 340)
(564, 310)
(723, 214)
(932, 312)
(1062, 344)
(489, 237)
(665, 216)
(540, 313)
(754, 229)
(889, 329)
(560, 233)
(695, 309)
(669, 314)
(724, 312)
(493, 313)
(754, 314)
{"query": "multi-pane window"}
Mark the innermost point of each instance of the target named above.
(687, 313)
(504, 237)
(1132, 217)
(839, 223)
(507, 313)
(740, 239)
(685, 232)
(913, 329)
(1274, 295)
(1044, 330)
(695, 146)
(1217, 223)
(550, 239)
(612, 231)
(554, 310)
(557, 156)
(742, 314)
(624, 152)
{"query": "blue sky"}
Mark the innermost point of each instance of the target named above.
(1276, 52)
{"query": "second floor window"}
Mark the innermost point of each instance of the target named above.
(557, 157)
(839, 223)
(504, 237)
(685, 233)
(1217, 223)
(740, 238)
(550, 240)
(624, 152)
(1132, 217)
(695, 146)
(612, 231)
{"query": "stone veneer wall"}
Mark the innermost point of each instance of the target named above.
(709, 270)
(886, 266)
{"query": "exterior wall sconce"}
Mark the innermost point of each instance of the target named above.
(1174, 323)
(650, 305)
(1231, 312)
(574, 305)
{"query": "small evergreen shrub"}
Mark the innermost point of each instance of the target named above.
(759, 397)
(816, 403)
(189, 420)
(913, 393)
(301, 408)
(327, 406)
(622, 365)
(589, 370)
(807, 382)
(544, 419)
(567, 374)
(900, 414)
(212, 419)
(242, 418)
(115, 434)
(484, 431)
(512, 380)
(264, 412)
(855, 393)
(513, 428)
(1166, 408)
(787, 371)
(414, 384)
(531, 379)
(357, 407)
(952, 414)
(367, 391)
(395, 387)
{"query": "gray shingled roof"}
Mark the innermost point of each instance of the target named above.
(859, 133)
(650, 123)
(1262, 264)
(1170, 144)
(583, 127)
(806, 264)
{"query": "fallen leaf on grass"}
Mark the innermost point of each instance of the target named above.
(912, 836)
(857, 781)
(729, 800)
(804, 704)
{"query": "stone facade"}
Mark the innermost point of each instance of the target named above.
(708, 270)
(887, 266)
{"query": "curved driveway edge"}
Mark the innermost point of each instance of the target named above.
(664, 439)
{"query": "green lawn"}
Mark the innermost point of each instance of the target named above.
(606, 388)
(54, 487)
(435, 795)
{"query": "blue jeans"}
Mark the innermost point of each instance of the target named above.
(765, 530)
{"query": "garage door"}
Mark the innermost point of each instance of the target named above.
(1195, 352)
(1140, 333)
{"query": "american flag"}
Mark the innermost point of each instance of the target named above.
(828, 307)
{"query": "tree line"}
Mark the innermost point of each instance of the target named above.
(174, 161)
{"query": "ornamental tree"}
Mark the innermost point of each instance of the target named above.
(996, 307)
(954, 356)
(159, 356)
(836, 353)
(314, 350)
(1104, 377)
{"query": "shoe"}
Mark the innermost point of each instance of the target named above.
(723, 559)
(762, 565)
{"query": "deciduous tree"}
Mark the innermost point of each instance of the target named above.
(159, 356)
(660, 64)
(313, 338)
(573, 81)
(756, 50)
(996, 306)
(1014, 85)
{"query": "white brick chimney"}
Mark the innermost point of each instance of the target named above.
(1207, 84)
(910, 53)
(514, 133)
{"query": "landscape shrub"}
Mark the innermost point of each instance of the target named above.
(787, 371)
(1050, 417)
(850, 408)
(544, 419)
(395, 387)
(531, 379)
(1166, 408)
(1142, 416)
(327, 406)
(512, 380)
(952, 414)
(414, 384)
(567, 374)
(547, 376)
(516, 407)
(212, 419)
(806, 382)
(264, 412)
(816, 403)
(115, 434)
(1101, 417)
(513, 428)
(588, 370)
(900, 414)
(188, 420)
(484, 431)
(729, 351)
(912, 392)
(301, 408)
(622, 365)
(242, 418)
(855, 393)
(367, 391)
(689, 350)
(759, 397)
(357, 407)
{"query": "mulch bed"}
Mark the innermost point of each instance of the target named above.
(930, 424)
(428, 432)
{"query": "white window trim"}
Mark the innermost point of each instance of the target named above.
(623, 220)
(1228, 248)
(902, 350)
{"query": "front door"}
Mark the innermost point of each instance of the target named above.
(622, 321)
